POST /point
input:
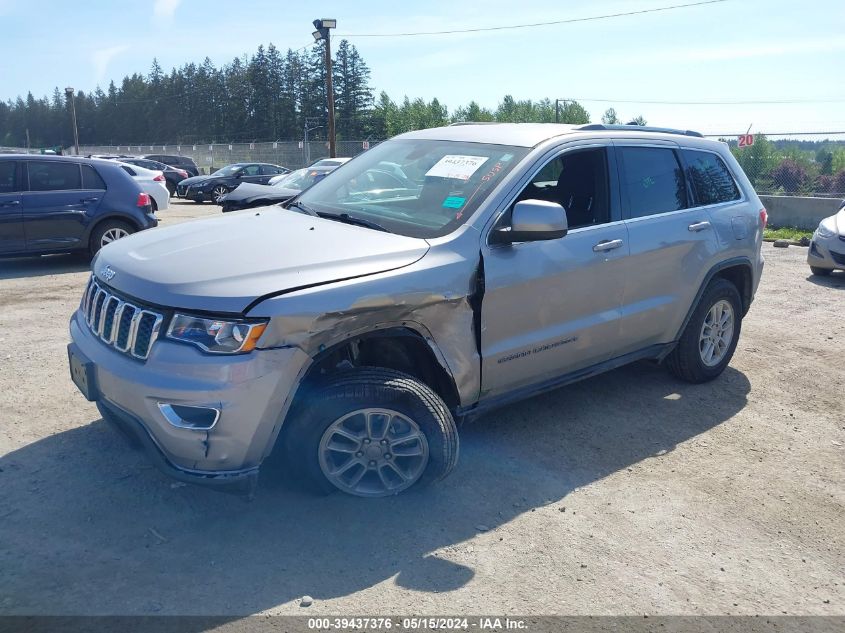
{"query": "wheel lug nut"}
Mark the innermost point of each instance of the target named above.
(359, 454)
(383, 442)
(387, 455)
(372, 463)
(367, 441)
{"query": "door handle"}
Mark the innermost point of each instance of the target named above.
(607, 245)
(699, 226)
(94, 199)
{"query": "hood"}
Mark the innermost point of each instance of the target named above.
(247, 191)
(195, 179)
(225, 263)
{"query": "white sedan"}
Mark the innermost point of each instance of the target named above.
(152, 182)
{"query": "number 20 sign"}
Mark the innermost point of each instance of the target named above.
(746, 140)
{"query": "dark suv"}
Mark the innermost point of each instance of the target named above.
(182, 162)
(57, 204)
(172, 175)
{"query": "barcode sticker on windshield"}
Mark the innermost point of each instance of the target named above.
(457, 167)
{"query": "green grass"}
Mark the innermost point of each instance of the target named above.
(786, 233)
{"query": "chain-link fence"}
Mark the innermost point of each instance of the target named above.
(212, 156)
(805, 164)
(13, 150)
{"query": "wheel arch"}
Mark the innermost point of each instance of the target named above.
(402, 348)
(738, 271)
(111, 216)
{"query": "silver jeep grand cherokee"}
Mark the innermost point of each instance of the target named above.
(440, 274)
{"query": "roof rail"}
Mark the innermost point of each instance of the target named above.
(474, 123)
(639, 128)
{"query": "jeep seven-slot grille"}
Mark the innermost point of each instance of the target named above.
(129, 328)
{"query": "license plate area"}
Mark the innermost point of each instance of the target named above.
(83, 373)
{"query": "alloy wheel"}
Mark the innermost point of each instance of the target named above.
(717, 332)
(373, 452)
(113, 234)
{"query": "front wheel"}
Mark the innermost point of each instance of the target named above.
(218, 192)
(709, 339)
(821, 272)
(371, 432)
(108, 232)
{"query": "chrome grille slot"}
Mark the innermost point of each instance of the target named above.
(129, 328)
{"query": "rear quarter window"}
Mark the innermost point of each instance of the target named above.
(711, 179)
(91, 179)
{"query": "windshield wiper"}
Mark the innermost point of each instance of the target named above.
(348, 219)
(296, 204)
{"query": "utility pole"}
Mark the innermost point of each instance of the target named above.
(69, 93)
(323, 32)
(27, 140)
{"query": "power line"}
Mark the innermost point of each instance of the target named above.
(536, 24)
(653, 102)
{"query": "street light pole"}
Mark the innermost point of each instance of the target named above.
(69, 93)
(323, 32)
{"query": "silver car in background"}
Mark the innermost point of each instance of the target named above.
(827, 248)
(352, 326)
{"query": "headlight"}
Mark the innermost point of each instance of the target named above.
(217, 336)
(826, 229)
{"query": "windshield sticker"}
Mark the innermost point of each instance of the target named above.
(507, 157)
(457, 167)
(453, 202)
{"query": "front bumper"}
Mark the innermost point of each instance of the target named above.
(251, 391)
(827, 252)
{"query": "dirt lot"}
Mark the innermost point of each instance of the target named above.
(629, 493)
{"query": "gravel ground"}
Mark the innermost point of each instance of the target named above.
(629, 493)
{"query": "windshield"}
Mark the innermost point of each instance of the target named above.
(299, 179)
(229, 170)
(418, 188)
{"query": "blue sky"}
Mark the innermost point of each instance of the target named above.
(738, 50)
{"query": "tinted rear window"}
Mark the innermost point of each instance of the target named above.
(91, 179)
(53, 176)
(710, 178)
(653, 180)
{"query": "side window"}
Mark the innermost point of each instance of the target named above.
(91, 179)
(251, 170)
(710, 178)
(653, 180)
(128, 170)
(53, 176)
(8, 176)
(578, 181)
(270, 170)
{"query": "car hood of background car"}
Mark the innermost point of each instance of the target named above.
(225, 263)
(247, 192)
(193, 180)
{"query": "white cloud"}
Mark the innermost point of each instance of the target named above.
(101, 59)
(163, 10)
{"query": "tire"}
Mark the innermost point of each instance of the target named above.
(381, 402)
(171, 188)
(153, 204)
(821, 272)
(688, 360)
(101, 233)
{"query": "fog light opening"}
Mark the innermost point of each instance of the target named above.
(190, 417)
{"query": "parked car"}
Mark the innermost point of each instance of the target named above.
(182, 162)
(61, 204)
(827, 248)
(151, 181)
(351, 328)
(330, 162)
(172, 175)
(248, 195)
(301, 179)
(216, 185)
(283, 188)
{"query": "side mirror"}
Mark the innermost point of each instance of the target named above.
(239, 174)
(532, 221)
